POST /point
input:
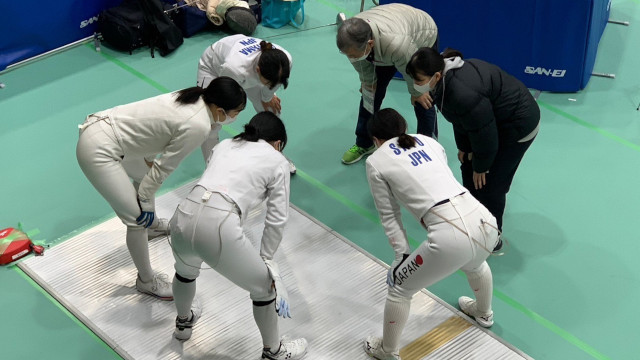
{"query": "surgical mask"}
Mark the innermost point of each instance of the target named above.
(227, 119)
(425, 88)
(364, 56)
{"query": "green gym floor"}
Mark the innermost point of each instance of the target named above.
(566, 289)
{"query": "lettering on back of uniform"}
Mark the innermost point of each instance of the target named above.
(251, 45)
(416, 156)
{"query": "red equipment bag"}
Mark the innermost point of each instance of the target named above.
(15, 244)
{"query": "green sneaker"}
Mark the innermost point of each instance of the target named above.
(356, 153)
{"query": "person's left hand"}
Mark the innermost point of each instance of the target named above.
(479, 179)
(425, 100)
(273, 105)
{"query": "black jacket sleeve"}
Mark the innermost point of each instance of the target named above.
(479, 125)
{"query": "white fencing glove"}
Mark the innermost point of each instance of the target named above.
(391, 274)
(282, 298)
(148, 212)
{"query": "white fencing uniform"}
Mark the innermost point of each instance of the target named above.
(207, 226)
(127, 134)
(236, 56)
(420, 179)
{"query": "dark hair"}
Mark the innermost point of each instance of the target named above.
(427, 61)
(274, 65)
(353, 33)
(223, 92)
(265, 126)
(387, 124)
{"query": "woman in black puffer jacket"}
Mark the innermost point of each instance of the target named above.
(495, 119)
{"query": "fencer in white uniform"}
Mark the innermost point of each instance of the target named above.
(412, 170)
(207, 227)
(258, 66)
(163, 129)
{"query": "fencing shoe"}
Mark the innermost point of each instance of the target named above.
(162, 229)
(159, 287)
(468, 306)
(289, 350)
(355, 153)
(184, 328)
(373, 348)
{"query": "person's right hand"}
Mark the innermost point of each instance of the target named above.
(425, 100)
(273, 105)
(461, 156)
(147, 213)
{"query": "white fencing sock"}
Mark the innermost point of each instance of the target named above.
(481, 282)
(396, 313)
(267, 320)
(183, 294)
(138, 245)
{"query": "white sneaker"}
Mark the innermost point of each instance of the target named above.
(289, 350)
(185, 328)
(373, 348)
(468, 306)
(161, 230)
(159, 287)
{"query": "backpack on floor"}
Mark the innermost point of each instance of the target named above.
(163, 33)
(123, 26)
(137, 23)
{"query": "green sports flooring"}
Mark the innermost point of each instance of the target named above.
(566, 289)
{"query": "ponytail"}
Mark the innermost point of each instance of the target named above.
(265, 45)
(274, 65)
(189, 95)
(264, 126)
(388, 124)
(224, 92)
(250, 134)
(406, 142)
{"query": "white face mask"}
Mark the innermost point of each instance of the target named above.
(364, 56)
(425, 88)
(227, 119)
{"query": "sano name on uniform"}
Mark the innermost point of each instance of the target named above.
(418, 157)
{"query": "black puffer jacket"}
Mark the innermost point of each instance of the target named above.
(487, 107)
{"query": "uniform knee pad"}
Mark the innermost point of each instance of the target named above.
(183, 279)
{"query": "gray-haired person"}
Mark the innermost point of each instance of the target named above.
(379, 42)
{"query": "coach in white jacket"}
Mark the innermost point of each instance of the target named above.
(170, 126)
(258, 66)
(412, 170)
(379, 42)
